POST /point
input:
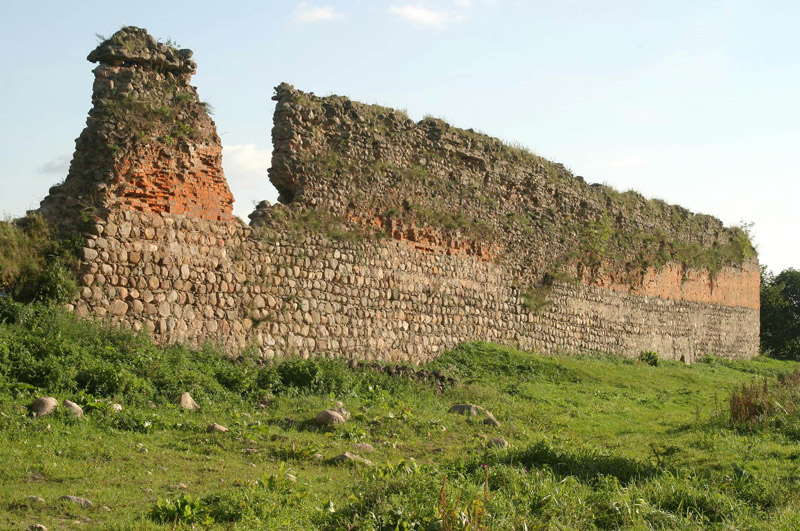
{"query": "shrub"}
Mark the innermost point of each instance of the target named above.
(649, 357)
(299, 373)
(51, 282)
(32, 262)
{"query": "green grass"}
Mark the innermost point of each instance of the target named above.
(595, 442)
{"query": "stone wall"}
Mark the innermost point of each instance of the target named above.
(196, 280)
(452, 190)
(394, 240)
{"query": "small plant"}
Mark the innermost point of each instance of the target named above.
(649, 357)
(464, 518)
(186, 509)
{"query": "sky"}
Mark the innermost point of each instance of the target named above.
(693, 102)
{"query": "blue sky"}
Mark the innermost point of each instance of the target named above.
(692, 102)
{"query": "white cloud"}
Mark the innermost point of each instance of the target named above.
(421, 15)
(630, 162)
(245, 168)
(464, 3)
(308, 13)
(56, 166)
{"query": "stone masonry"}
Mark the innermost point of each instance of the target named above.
(395, 240)
(149, 144)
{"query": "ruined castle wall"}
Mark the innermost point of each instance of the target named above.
(395, 239)
(459, 191)
(197, 280)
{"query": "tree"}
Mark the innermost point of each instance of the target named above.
(780, 314)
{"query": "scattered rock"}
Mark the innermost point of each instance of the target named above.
(265, 401)
(83, 502)
(364, 448)
(216, 427)
(187, 402)
(329, 417)
(465, 409)
(116, 407)
(318, 457)
(44, 405)
(35, 499)
(491, 421)
(472, 410)
(347, 457)
(178, 486)
(343, 412)
(74, 408)
(497, 442)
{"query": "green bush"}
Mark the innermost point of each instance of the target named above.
(34, 264)
(51, 282)
(780, 314)
(649, 357)
(299, 373)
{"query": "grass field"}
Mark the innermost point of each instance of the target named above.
(594, 442)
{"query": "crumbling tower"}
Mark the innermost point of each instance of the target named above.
(149, 144)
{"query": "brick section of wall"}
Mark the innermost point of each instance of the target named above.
(195, 280)
(188, 182)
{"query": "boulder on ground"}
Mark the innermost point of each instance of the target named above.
(83, 502)
(497, 442)
(470, 409)
(74, 408)
(187, 402)
(347, 457)
(364, 447)
(44, 405)
(329, 417)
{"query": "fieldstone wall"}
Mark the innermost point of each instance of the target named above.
(197, 280)
(394, 240)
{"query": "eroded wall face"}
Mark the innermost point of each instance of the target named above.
(149, 144)
(456, 191)
(195, 280)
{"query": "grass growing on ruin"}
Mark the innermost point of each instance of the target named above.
(595, 442)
